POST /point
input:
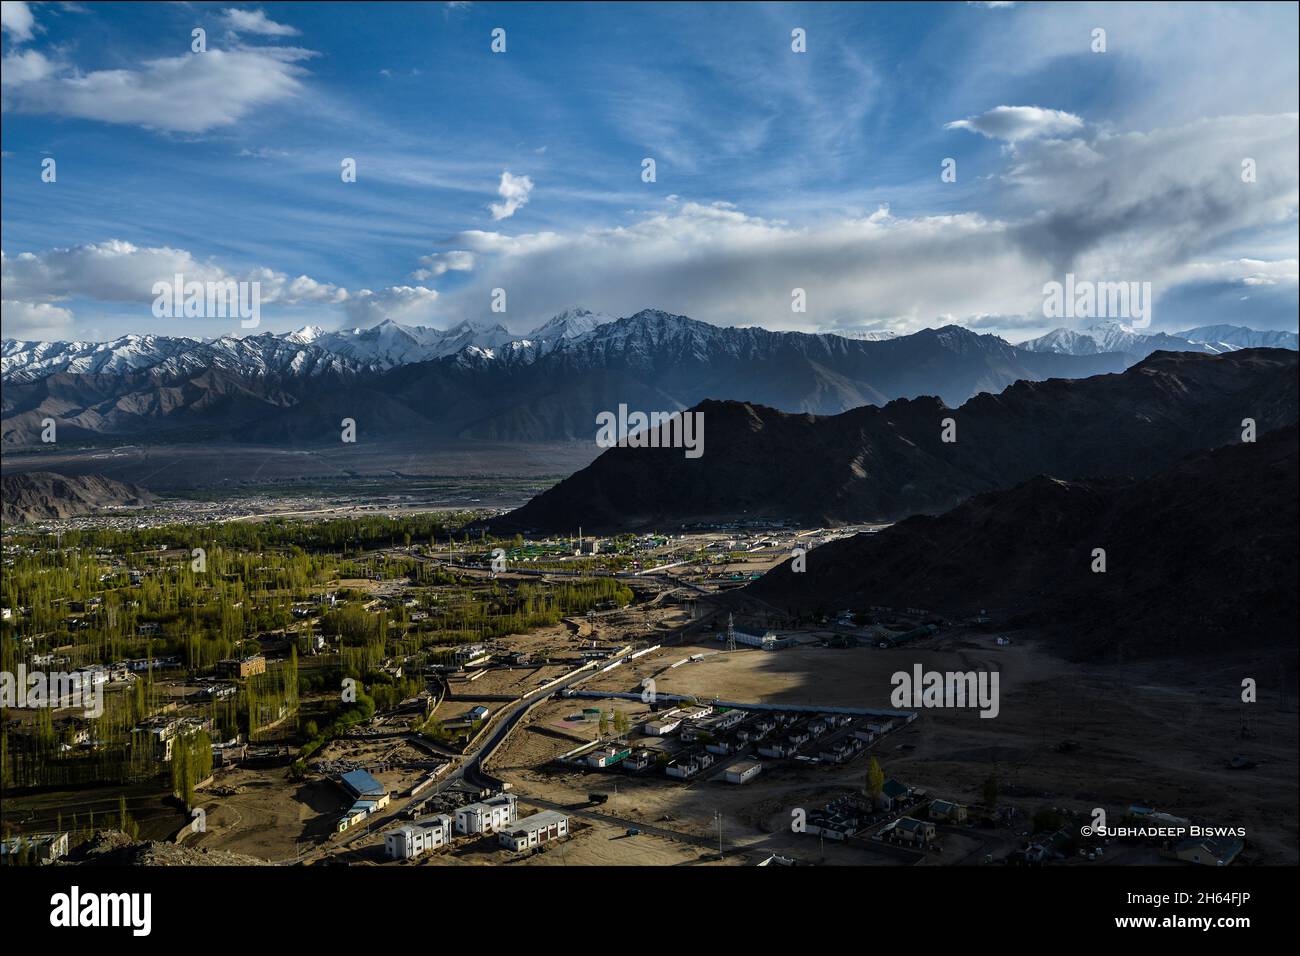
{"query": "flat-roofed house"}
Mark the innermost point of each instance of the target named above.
(743, 771)
(535, 830)
(408, 842)
(487, 816)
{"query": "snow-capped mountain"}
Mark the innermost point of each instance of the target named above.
(1109, 336)
(568, 325)
(255, 356)
(480, 381)
(308, 351)
(864, 335)
(389, 343)
(1229, 338)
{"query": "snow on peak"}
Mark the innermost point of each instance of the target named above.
(569, 324)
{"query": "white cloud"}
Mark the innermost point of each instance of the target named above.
(120, 272)
(718, 263)
(27, 66)
(34, 320)
(514, 191)
(409, 305)
(16, 19)
(255, 21)
(1248, 272)
(1014, 123)
(191, 93)
(435, 264)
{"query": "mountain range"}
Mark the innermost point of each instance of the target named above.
(477, 382)
(1113, 336)
(882, 463)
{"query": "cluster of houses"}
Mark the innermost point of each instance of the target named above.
(845, 816)
(709, 733)
(93, 677)
(839, 819)
(497, 814)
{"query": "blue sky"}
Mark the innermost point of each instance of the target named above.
(775, 170)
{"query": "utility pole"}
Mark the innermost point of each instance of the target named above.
(717, 814)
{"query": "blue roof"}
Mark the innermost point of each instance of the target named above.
(362, 784)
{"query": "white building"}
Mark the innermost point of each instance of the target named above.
(471, 655)
(535, 830)
(408, 842)
(664, 723)
(743, 772)
(487, 816)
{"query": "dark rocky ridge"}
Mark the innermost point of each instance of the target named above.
(1201, 557)
(885, 463)
(42, 495)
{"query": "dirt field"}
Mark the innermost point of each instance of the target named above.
(515, 681)
(267, 815)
